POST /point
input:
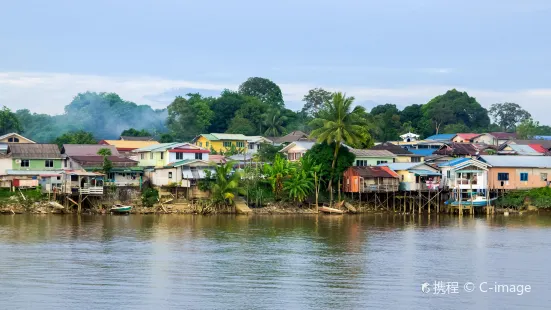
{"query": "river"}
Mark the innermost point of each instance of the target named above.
(274, 262)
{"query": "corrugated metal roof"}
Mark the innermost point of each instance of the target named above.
(468, 136)
(132, 138)
(524, 150)
(401, 166)
(422, 152)
(186, 162)
(305, 145)
(34, 151)
(538, 148)
(441, 137)
(230, 136)
(161, 147)
(374, 172)
(393, 148)
(422, 172)
(128, 145)
(504, 135)
(453, 162)
(87, 149)
(517, 161)
(209, 136)
(371, 153)
(542, 137)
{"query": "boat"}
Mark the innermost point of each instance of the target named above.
(330, 210)
(120, 209)
(477, 201)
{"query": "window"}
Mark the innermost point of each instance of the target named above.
(524, 176)
(543, 177)
(200, 144)
(449, 174)
(170, 174)
(151, 155)
(162, 155)
(361, 163)
(24, 163)
(179, 156)
(240, 144)
(198, 155)
(226, 143)
(382, 162)
(394, 160)
(416, 159)
(402, 178)
(13, 140)
(251, 146)
(65, 163)
(502, 176)
(207, 144)
(49, 163)
(142, 155)
(111, 176)
(58, 178)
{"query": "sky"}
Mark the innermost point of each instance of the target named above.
(396, 51)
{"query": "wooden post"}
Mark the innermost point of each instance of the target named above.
(419, 201)
(387, 200)
(430, 202)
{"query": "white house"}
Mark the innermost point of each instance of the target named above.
(409, 137)
(295, 150)
(254, 143)
(464, 174)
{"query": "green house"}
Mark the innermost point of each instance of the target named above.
(34, 158)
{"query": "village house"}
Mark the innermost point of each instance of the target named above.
(125, 171)
(294, 151)
(293, 136)
(372, 157)
(14, 138)
(402, 155)
(163, 154)
(125, 147)
(184, 174)
(487, 138)
(464, 174)
(458, 150)
(520, 149)
(503, 137)
(222, 142)
(28, 162)
(254, 143)
(367, 179)
(517, 172)
(465, 137)
(416, 176)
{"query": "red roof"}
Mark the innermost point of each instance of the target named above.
(538, 148)
(374, 172)
(468, 136)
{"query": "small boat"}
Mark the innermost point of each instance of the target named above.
(330, 210)
(120, 209)
(477, 201)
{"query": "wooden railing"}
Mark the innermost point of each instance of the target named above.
(370, 188)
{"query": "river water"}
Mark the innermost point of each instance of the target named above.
(274, 262)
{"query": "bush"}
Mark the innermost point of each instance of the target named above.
(150, 197)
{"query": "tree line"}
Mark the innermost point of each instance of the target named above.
(257, 108)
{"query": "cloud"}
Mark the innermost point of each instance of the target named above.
(50, 92)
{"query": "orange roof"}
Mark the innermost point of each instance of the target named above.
(128, 145)
(468, 136)
(538, 148)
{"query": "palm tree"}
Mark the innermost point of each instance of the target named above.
(226, 184)
(338, 123)
(107, 164)
(299, 185)
(307, 163)
(274, 123)
(276, 173)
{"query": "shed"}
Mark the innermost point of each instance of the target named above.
(370, 179)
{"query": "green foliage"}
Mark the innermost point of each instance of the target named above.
(313, 101)
(225, 184)
(241, 125)
(508, 115)
(9, 122)
(75, 137)
(107, 164)
(131, 132)
(189, 117)
(300, 183)
(529, 128)
(268, 152)
(538, 197)
(263, 89)
(166, 138)
(150, 196)
(322, 155)
(276, 173)
(273, 123)
(225, 107)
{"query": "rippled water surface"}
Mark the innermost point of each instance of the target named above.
(272, 262)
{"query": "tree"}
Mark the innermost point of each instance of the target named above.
(253, 110)
(315, 169)
(9, 122)
(508, 115)
(273, 122)
(241, 125)
(225, 107)
(299, 185)
(276, 173)
(386, 118)
(107, 164)
(131, 132)
(456, 128)
(166, 138)
(314, 100)
(268, 152)
(263, 89)
(75, 137)
(530, 128)
(225, 184)
(338, 123)
(190, 117)
(412, 114)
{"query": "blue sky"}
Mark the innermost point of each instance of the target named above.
(400, 51)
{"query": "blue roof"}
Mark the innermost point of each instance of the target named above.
(542, 137)
(422, 172)
(454, 162)
(442, 137)
(422, 152)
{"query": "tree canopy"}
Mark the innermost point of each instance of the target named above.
(9, 122)
(314, 100)
(263, 89)
(131, 132)
(75, 137)
(508, 115)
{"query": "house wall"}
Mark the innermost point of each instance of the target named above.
(487, 139)
(534, 178)
(172, 157)
(458, 139)
(37, 164)
(5, 164)
(21, 140)
(125, 179)
(159, 159)
(372, 161)
(160, 177)
(218, 145)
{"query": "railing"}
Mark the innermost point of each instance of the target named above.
(368, 188)
(92, 190)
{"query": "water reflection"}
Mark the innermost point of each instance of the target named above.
(173, 261)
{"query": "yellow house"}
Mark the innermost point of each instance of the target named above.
(222, 142)
(14, 138)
